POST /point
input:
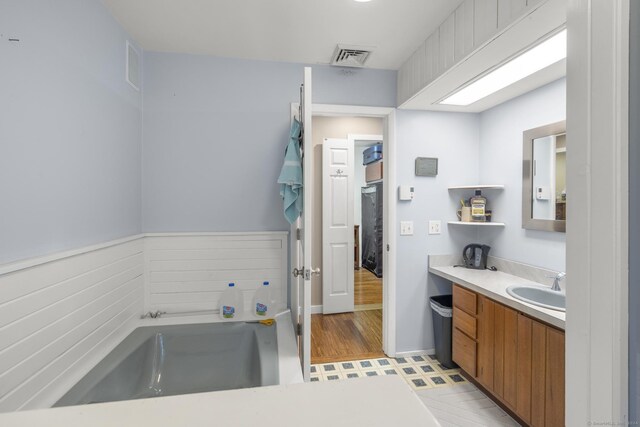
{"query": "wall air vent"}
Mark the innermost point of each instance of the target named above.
(132, 66)
(350, 56)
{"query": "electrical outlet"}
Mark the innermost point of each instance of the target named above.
(434, 227)
(406, 228)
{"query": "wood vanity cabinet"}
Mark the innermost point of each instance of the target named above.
(517, 359)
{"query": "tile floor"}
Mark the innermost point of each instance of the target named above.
(464, 405)
(451, 398)
(420, 372)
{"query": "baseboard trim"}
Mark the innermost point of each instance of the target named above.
(415, 353)
(365, 307)
(317, 309)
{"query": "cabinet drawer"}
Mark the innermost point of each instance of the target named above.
(464, 300)
(464, 352)
(464, 322)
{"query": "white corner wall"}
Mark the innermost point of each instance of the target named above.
(453, 139)
(634, 226)
(70, 129)
(472, 149)
(215, 131)
(500, 162)
(186, 272)
(59, 315)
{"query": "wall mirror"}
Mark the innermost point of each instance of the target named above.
(544, 188)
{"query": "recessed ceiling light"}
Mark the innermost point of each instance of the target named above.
(535, 59)
(362, 1)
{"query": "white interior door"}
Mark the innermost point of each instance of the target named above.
(337, 226)
(301, 240)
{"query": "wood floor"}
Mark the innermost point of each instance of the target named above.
(346, 336)
(351, 336)
(367, 288)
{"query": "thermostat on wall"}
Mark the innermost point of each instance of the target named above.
(405, 192)
(426, 166)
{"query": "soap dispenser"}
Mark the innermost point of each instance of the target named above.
(478, 207)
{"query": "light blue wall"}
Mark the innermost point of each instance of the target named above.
(501, 163)
(634, 225)
(472, 148)
(70, 129)
(215, 130)
(453, 139)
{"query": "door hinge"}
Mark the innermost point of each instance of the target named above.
(388, 248)
(299, 329)
(298, 234)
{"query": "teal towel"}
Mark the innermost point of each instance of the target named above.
(290, 180)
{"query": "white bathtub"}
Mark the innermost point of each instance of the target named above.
(173, 356)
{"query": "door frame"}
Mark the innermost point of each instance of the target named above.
(389, 209)
(597, 217)
(301, 314)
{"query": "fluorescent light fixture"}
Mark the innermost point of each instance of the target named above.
(362, 1)
(535, 59)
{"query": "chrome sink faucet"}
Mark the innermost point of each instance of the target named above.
(556, 281)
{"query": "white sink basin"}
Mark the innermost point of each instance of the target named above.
(542, 297)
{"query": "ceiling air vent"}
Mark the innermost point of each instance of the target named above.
(350, 56)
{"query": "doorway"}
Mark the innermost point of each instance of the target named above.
(347, 300)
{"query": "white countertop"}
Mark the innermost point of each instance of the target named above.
(494, 284)
(373, 401)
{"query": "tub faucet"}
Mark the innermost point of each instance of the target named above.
(153, 315)
(556, 281)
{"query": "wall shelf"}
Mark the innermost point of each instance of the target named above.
(478, 187)
(481, 224)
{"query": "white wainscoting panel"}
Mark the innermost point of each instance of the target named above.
(187, 272)
(59, 316)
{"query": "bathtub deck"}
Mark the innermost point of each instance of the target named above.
(378, 401)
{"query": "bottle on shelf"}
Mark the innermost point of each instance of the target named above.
(262, 301)
(231, 303)
(478, 207)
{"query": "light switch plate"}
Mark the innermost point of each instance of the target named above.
(406, 228)
(435, 227)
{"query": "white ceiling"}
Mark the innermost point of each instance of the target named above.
(304, 31)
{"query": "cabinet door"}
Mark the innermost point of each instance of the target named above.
(523, 392)
(464, 299)
(554, 393)
(464, 322)
(505, 354)
(510, 374)
(538, 373)
(485, 341)
(464, 352)
(498, 350)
